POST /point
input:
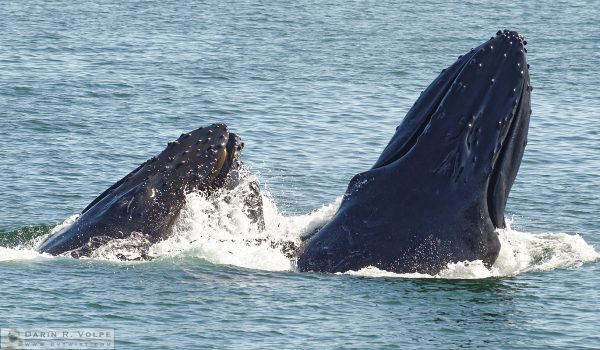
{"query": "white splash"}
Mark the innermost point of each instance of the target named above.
(217, 230)
(26, 251)
(519, 252)
(17, 254)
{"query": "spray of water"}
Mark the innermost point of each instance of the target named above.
(216, 229)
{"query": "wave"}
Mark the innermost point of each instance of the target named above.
(217, 230)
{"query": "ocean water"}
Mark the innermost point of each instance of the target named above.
(90, 89)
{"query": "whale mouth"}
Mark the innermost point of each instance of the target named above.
(496, 181)
(228, 163)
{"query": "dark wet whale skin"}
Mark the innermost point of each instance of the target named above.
(438, 191)
(149, 199)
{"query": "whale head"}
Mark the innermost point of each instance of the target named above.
(470, 125)
(439, 189)
(149, 199)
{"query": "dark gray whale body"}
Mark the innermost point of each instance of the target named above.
(148, 200)
(438, 191)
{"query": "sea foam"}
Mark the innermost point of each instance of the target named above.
(216, 229)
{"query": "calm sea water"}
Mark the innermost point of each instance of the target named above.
(90, 89)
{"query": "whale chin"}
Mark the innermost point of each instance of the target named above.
(438, 191)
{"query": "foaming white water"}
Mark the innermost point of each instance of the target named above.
(26, 251)
(520, 252)
(218, 230)
(16, 254)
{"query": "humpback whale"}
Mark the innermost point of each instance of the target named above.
(148, 200)
(437, 193)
